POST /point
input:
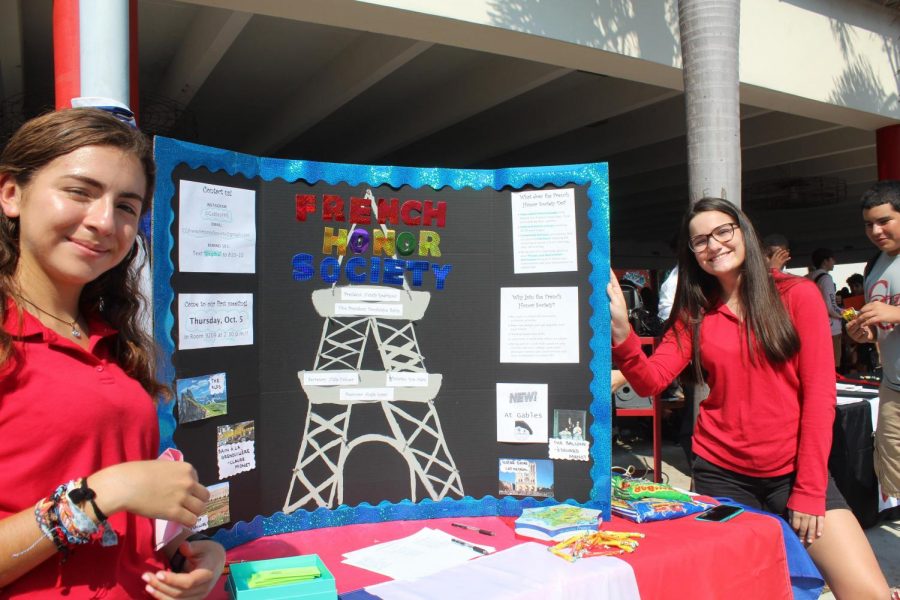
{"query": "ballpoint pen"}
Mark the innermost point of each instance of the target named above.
(477, 549)
(473, 528)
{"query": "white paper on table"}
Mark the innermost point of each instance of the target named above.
(422, 553)
(523, 572)
(853, 387)
(841, 400)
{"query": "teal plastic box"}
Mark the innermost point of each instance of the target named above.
(321, 588)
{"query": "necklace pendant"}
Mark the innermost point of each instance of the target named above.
(75, 333)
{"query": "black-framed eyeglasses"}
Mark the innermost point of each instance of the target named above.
(722, 234)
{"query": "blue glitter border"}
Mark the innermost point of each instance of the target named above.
(170, 153)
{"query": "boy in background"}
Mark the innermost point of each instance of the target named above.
(878, 320)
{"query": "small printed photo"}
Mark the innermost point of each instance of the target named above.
(245, 431)
(569, 424)
(217, 509)
(201, 397)
(525, 477)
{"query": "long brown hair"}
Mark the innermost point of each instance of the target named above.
(765, 316)
(115, 294)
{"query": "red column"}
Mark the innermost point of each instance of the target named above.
(887, 149)
(66, 59)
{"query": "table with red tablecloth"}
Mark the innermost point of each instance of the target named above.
(682, 558)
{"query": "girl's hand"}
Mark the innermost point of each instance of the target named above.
(204, 560)
(808, 527)
(159, 489)
(618, 311)
(617, 380)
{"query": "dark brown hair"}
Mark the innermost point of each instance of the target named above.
(765, 316)
(115, 294)
(883, 192)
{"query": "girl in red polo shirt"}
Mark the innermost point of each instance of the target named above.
(760, 340)
(78, 432)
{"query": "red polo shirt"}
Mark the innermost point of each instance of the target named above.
(760, 419)
(65, 413)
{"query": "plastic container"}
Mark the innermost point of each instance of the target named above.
(320, 588)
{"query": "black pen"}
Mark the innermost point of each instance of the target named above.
(477, 549)
(473, 528)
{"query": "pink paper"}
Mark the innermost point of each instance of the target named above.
(166, 531)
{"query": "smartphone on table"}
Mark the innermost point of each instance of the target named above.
(720, 513)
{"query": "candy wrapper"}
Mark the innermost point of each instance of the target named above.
(849, 314)
(598, 543)
(633, 488)
(656, 509)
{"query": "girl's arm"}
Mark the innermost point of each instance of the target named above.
(817, 398)
(155, 489)
(22, 546)
(650, 376)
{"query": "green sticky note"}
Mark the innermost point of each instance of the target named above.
(282, 576)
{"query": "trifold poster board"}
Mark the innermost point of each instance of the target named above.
(427, 342)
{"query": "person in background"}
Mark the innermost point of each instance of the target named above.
(862, 358)
(823, 262)
(78, 425)
(759, 338)
(856, 298)
(667, 294)
(685, 389)
(777, 250)
(877, 321)
(667, 287)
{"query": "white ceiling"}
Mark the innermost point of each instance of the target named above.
(285, 88)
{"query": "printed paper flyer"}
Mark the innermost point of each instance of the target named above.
(214, 320)
(522, 412)
(217, 227)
